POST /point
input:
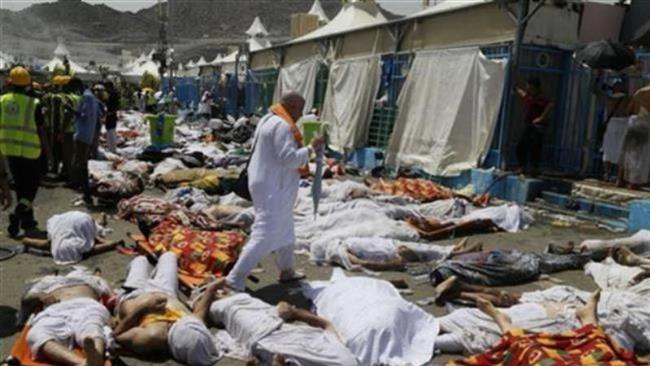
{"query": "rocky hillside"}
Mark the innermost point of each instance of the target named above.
(76, 21)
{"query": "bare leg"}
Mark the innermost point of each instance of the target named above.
(607, 166)
(278, 360)
(60, 355)
(502, 320)
(445, 286)
(623, 255)
(588, 313)
(36, 243)
(94, 349)
(202, 305)
(101, 246)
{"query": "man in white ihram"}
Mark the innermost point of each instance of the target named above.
(274, 172)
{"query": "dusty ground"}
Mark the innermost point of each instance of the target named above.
(16, 271)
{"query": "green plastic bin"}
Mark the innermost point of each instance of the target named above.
(161, 128)
(310, 129)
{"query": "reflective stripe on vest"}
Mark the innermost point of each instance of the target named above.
(18, 133)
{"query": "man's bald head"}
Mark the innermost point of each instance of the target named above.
(294, 103)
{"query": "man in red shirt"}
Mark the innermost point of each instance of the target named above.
(535, 110)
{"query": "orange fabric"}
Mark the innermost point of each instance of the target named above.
(20, 351)
(280, 111)
(170, 315)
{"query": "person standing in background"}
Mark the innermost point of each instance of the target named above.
(276, 164)
(85, 127)
(112, 106)
(22, 142)
(536, 108)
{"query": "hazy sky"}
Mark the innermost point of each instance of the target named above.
(398, 6)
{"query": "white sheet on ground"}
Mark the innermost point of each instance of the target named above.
(299, 77)
(508, 217)
(610, 275)
(448, 111)
(371, 249)
(376, 323)
(351, 90)
(71, 234)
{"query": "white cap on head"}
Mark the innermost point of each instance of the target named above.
(191, 343)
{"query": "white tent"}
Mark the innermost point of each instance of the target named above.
(257, 29)
(256, 44)
(317, 9)
(202, 62)
(447, 5)
(61, 50)
(217, 60)
(5, 60)
(190, 64)
(354, 15)
(139, 69)
(58, 62)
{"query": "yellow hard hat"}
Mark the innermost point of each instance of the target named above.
(61, 80)
(19, 76)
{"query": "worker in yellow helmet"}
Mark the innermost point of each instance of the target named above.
(22, 140)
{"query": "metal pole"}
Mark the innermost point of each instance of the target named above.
(511, 78)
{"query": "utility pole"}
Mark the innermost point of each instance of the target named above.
(162, 49)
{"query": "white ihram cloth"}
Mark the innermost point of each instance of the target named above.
(273, 182)
(361, 222)
(371, 249)
(144, 278)
(191, 342)
(636, 149)
(68, 323)
(78, 277)
(613, 139)
(257, 326)
(71, 235)
(610, 275)
(376, 323)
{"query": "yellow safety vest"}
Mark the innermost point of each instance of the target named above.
(18, 133)
(68, 122)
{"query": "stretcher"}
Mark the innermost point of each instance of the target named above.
(22, 356)
(188, 282)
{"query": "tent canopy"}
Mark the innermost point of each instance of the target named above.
(257, 29)
(58, 62)
(317, 9)
(202, 62)
(353, 16)
(217, 60)
(139, 69)
(190, 64)
(61, 50)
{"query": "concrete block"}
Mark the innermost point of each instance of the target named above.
(609, 210)
(639, 217)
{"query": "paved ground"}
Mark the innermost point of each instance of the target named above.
(16, 271)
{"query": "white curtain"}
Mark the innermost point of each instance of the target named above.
(448, 111)
(299, 77)
(351, 91)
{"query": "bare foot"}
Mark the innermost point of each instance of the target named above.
(487, 307)
(502, 319)
(623, 255)
(588, 313)
(93, 358)
(461, 245)
(278, 360)
(445, 286)
(285, 310)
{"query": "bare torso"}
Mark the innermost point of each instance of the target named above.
(69, 293)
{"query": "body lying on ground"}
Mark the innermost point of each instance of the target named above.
(373, 319)
(380, 254)
(153, 323)
(72, 316)
(503, 267)
(266, 333)
(584, 345)
(72, 236)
